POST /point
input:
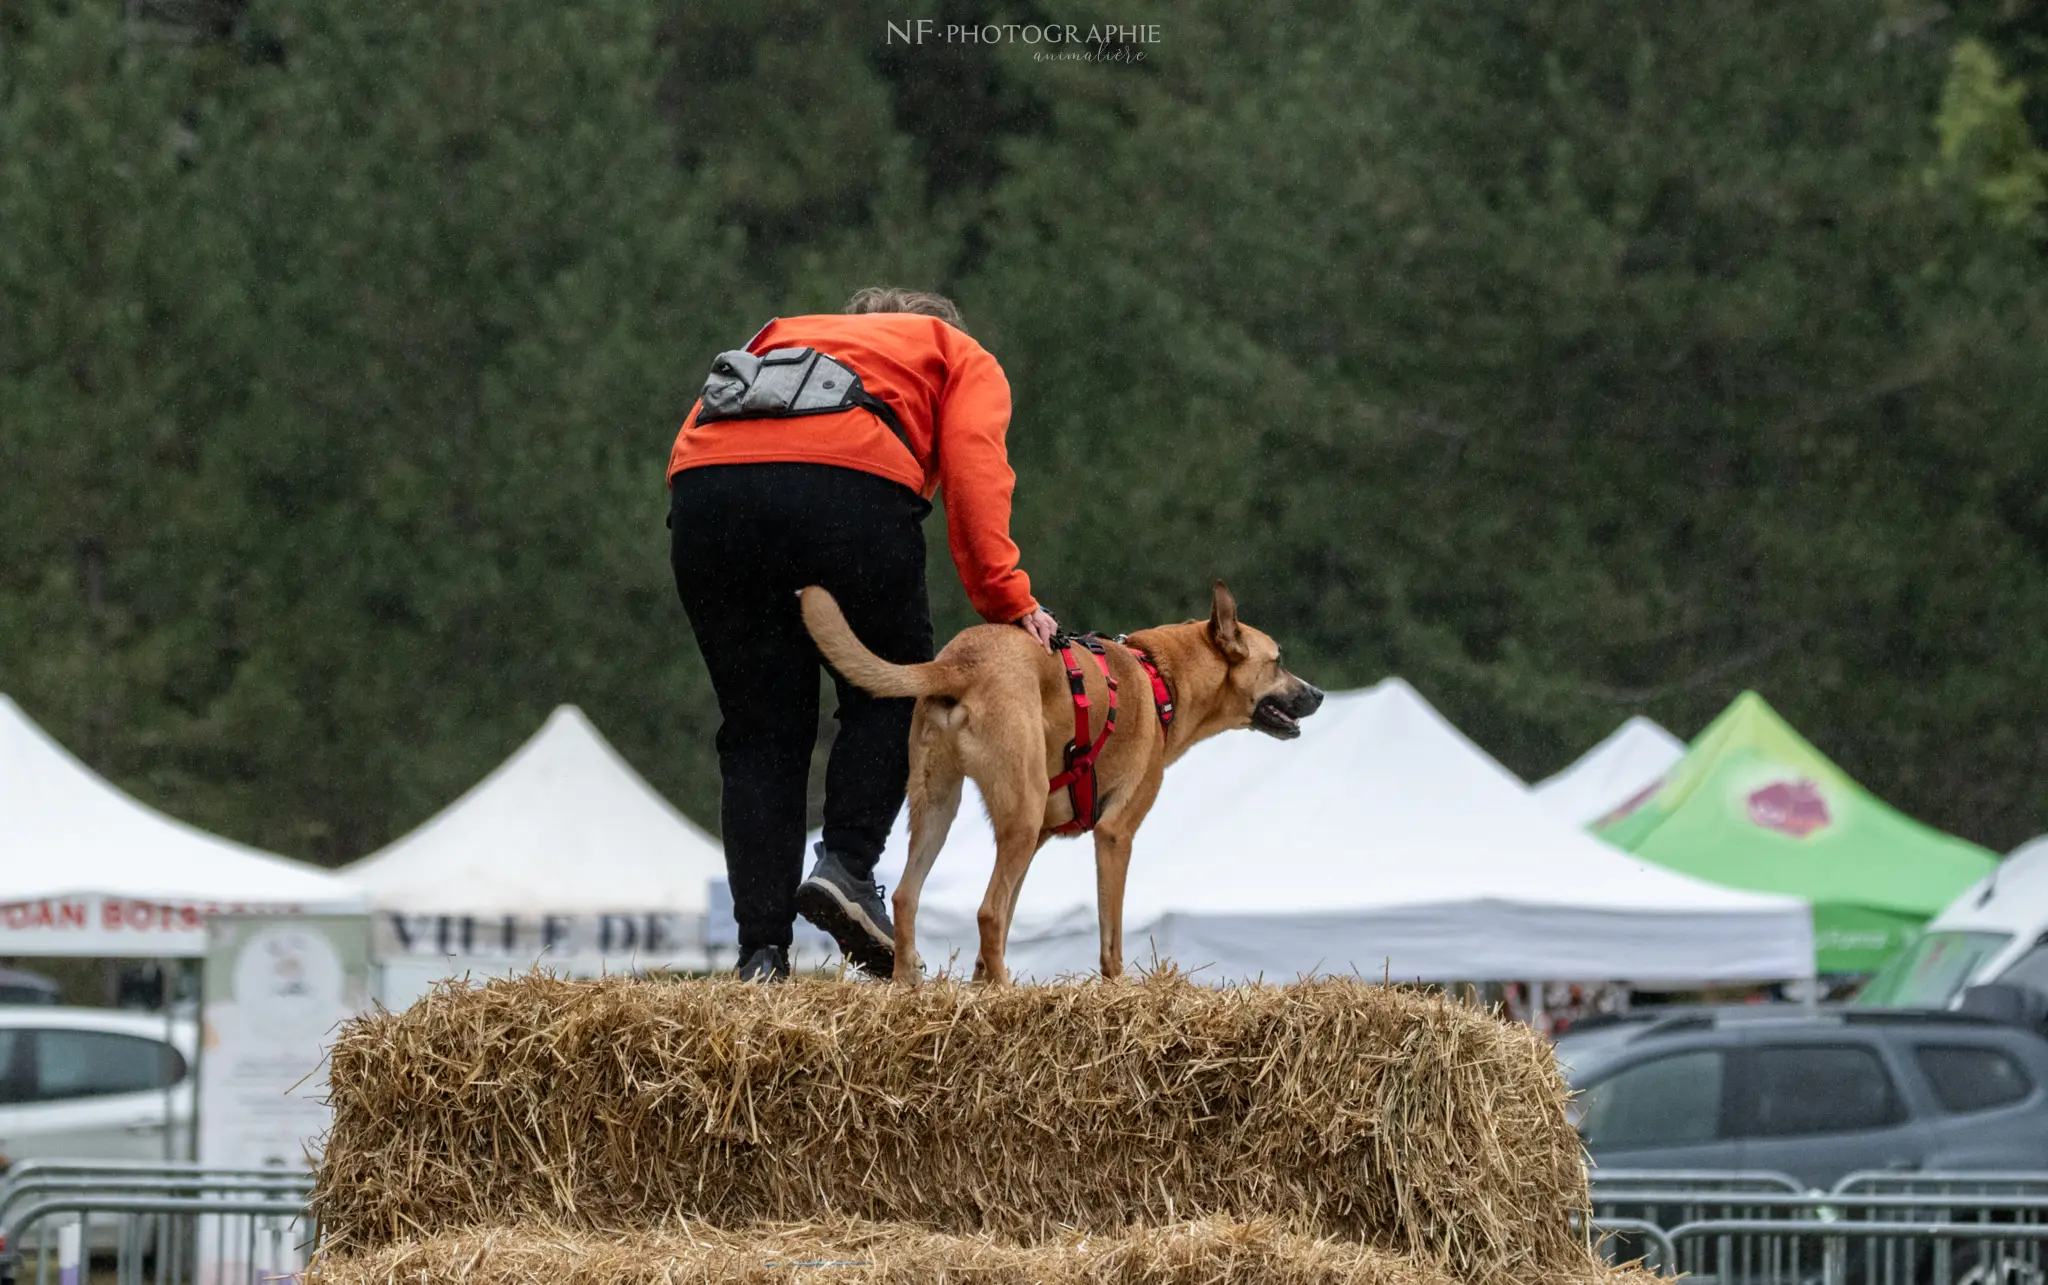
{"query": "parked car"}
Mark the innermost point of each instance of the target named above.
(94, 1084)
(1813, 1095)
(17, 987)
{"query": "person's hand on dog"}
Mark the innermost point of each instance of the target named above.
(1040, 625)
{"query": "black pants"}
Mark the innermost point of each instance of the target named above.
(744, 538)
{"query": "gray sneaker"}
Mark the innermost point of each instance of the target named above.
(764, 964)
(852, 910)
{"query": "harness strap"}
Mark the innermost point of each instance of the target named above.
(1079, 778)
(881, 410)
(1162, 699)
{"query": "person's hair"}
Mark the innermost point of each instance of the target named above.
(896, 299)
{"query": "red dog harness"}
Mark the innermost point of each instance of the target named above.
(1162, 700)
(1079, 778)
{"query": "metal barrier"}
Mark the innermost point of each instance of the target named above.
(1629, 1240)
(273, 1186)
(1631, 1200)
(169, 1224)
(1828, 1206)
(1959, 1183)
(181, 1224)
(1797, 1251)
(1702, 1181)
(27, 1168)
(29, 1178)
(1874, 1229)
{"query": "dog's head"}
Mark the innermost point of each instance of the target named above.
(1257, 688)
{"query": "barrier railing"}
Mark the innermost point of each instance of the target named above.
(168, 1224)
(1830, 1206)
(273, 1186)
(1698, 1180)
(1884, 1228)
(166, 1240)
(22, 1169)
(1628, 1240)
(1798, 1251)
(173, 1224)
(1960, 1184)
(1627, 1201)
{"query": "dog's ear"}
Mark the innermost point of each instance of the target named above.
(1223, 630)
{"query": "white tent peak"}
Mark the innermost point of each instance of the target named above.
(1399, 697)
(67, 831)
(563, 826)
(1631, 759)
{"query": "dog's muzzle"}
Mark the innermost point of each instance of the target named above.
(1279, 716)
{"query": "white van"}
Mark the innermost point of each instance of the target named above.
(1996, 931)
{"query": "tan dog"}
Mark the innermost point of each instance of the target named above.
(996, 707)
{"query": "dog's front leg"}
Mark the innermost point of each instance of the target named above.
(1113, 864)
(1112, 868)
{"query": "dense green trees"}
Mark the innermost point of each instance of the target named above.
(1567, 358)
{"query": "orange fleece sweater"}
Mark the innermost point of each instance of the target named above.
(953, 401)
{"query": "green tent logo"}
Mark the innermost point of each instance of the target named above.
(1790, 807)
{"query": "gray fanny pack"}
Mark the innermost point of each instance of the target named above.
(787, 382)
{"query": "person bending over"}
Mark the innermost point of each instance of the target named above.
(811, 458)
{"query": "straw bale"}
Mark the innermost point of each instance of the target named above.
(1381, 1115)
(1207, 1252)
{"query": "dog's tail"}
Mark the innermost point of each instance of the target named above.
(862, 668)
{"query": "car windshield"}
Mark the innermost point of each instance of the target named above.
(1580, 1054)
(1932, 971)
(2030, 969)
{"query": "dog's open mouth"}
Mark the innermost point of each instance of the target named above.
(1274, 721)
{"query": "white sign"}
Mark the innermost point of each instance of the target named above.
(276, 990)
(115, 927)
(645, 939)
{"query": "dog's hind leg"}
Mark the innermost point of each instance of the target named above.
(1016, 808)
(934, 802)
(1015, 845)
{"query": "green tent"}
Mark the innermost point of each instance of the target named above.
(1752, 805)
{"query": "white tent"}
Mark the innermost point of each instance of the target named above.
(562, 855)
(1633, 758)
(87, 870)
(1382, 841)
